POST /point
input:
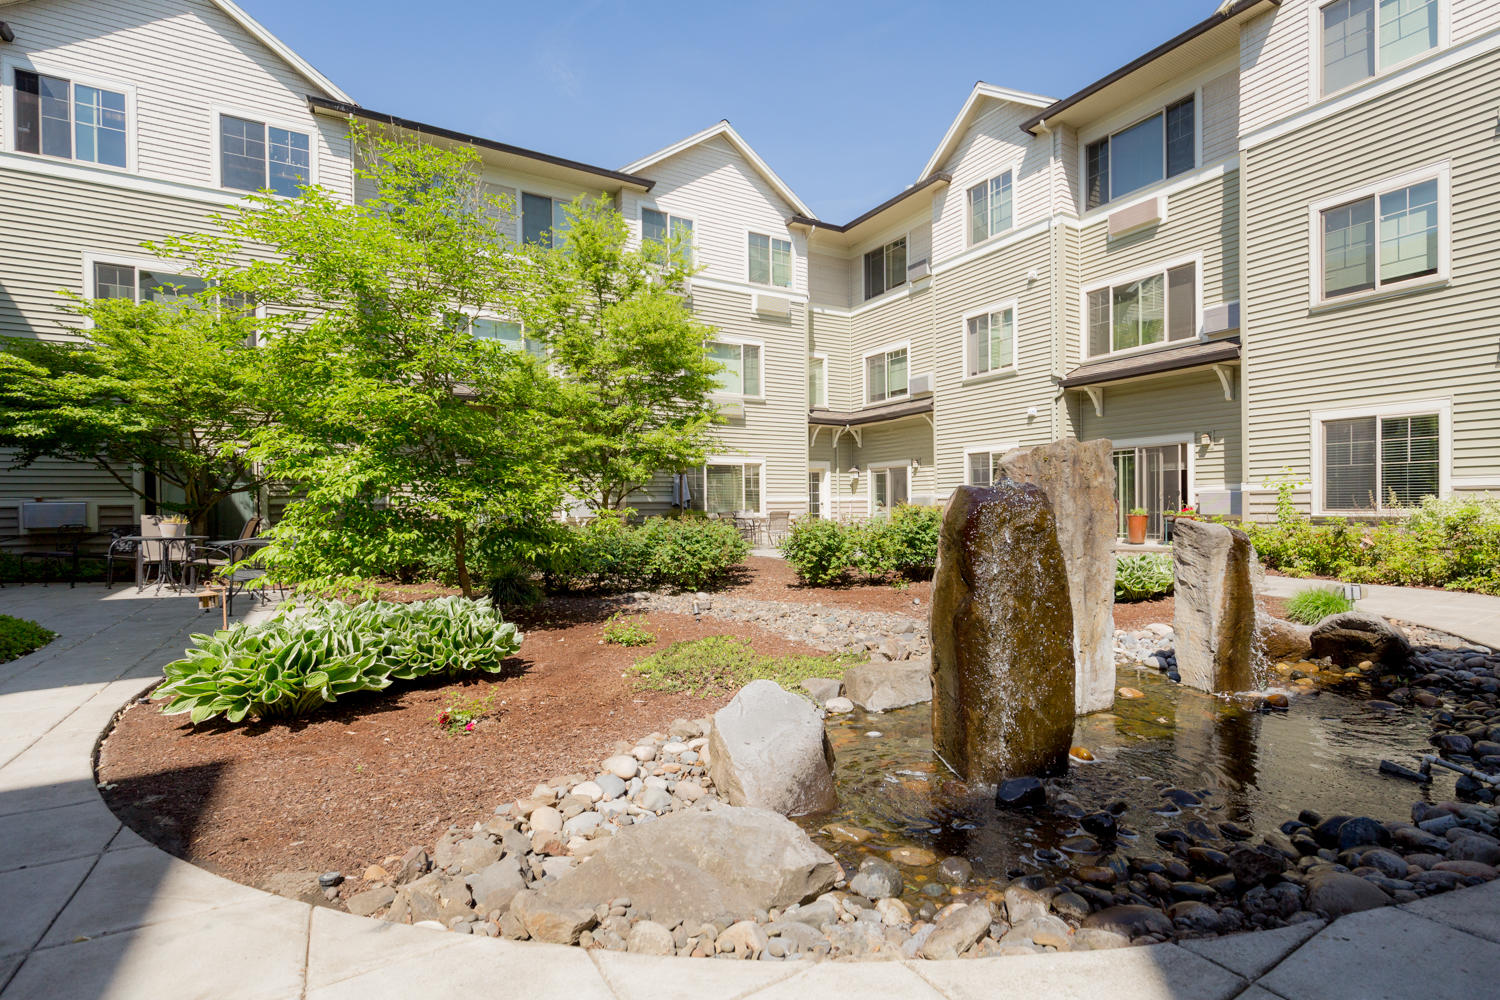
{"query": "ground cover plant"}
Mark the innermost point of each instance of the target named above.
(1143, 577)
(900, 547)
(623, 631)
(305, 657)
(19, 636)
(1310, 606)
(720, 664)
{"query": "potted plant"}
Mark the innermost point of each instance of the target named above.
(173, 526)
(1135, 526)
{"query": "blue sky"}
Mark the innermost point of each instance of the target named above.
(846, 101)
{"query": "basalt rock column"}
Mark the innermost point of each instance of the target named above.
(1214, 621)
(1002, 636)
(1079, 480)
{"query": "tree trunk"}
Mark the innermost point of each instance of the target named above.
(460, 560)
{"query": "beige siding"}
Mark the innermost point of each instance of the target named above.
(830, 336)
(993, 144)
(830, 279)
(1221, 117)
(1473, 18)
(1275, 65)
(903, 317)
(187, 61)
(1433, 344)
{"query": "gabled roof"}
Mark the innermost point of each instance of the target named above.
(727, 131)
(982, 92)
(889, 203)
(258, 31)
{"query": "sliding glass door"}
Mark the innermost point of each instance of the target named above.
(1153, 477)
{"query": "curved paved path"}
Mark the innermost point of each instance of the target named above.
(1475, 617)
(89, 910)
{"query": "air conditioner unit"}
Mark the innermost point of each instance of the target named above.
(918, 269)
(771, 306)
(731, 408)
(919, 385)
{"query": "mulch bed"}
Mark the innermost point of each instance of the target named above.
(1133, 615)
(768, 579)
(375, 774)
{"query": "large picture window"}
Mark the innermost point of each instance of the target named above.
(885, 376)
(254, 156)
(1158, 147)
(1381, 463)
(990, 210)
(1151, 310)
(1364, 37)
(72, 121)
(1381, 239)
(741, 374)
(885, 268)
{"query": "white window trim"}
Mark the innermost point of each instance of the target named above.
(725, 338)
(640, 216)
(864, 378)
(8, 67)
(1137, 274)
(859, 259)
(1315, 32)
(885, 467)
(1015, 172)
(1442, 173)
(745, 249)
(1014, 305)
(1443, 407)
(811, 357)
(985, 449)
(173, 266)
(743, 461)
(216, 161)
(1160, 109)
(825, 490)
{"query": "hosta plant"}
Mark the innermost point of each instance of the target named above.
(1142, 577)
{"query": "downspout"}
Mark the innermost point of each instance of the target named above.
(1056, 336)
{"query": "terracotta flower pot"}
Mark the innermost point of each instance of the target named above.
(1135, 528)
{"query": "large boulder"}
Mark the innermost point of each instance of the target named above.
(1280, 640)
(880, 687)
(768, 749)
(1335, 894)
(1002, 636)
(1214, 620)
(1079, 480)
(697, 866)
(1352, 636)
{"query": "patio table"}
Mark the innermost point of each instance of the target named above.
(176, 549)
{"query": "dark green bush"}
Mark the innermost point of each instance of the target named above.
(690, 553)
(821, 552)
(19, 636)
(680, 553)
(305, 657)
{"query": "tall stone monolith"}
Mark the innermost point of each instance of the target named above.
(1002, 636)
(1079, 480)
(1214, 569)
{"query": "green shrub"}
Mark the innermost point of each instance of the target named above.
(719, 664)
(609, 554)
(691, 553)
(820, 551)
(305, 657)
(622, 631)
(511, 585)
(1142, 577)
(18, 636)
(1308, 607)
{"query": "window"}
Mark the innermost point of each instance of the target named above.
(1162, 146)
(543, 220)
(56, 117)
(1152, 310)
(1365, 37)
(254, 156)
(885, 375)
(124, 281)
(507, 334)
(741, 374)
(984, 468)
(1381, 239)
(657, 227)
(1153, 477)
(885, 268)
(991, 341)
(888, 488)
(732, 488)
(990, 208)
(1379, 463)
(770, 261)
(815, 493)
(817, 381)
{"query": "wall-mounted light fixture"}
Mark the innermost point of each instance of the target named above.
(1031, 413)
(1206, 438)
(7, 33)
(916, 464)
(853, 474)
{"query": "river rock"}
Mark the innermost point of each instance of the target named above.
(880, 687)
(822, 688)
(496, 885)
(648, 937)
(1337, 893)
(698, 865)
(1214, 619)
(1003, 669)
(1352, 636)
(877, 878)
(956, 931)
(1131, 920)
(768, 750)
(1283, 640)
(1078, 478)
(553, 920)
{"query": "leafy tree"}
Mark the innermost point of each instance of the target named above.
(169, 389)
(636, 380)
(383, 398)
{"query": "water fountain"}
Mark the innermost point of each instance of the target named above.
(1214, 569)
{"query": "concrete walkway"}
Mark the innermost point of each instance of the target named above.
(88, 910)
(1475, 617)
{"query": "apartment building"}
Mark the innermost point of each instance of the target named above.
(1264, 245)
